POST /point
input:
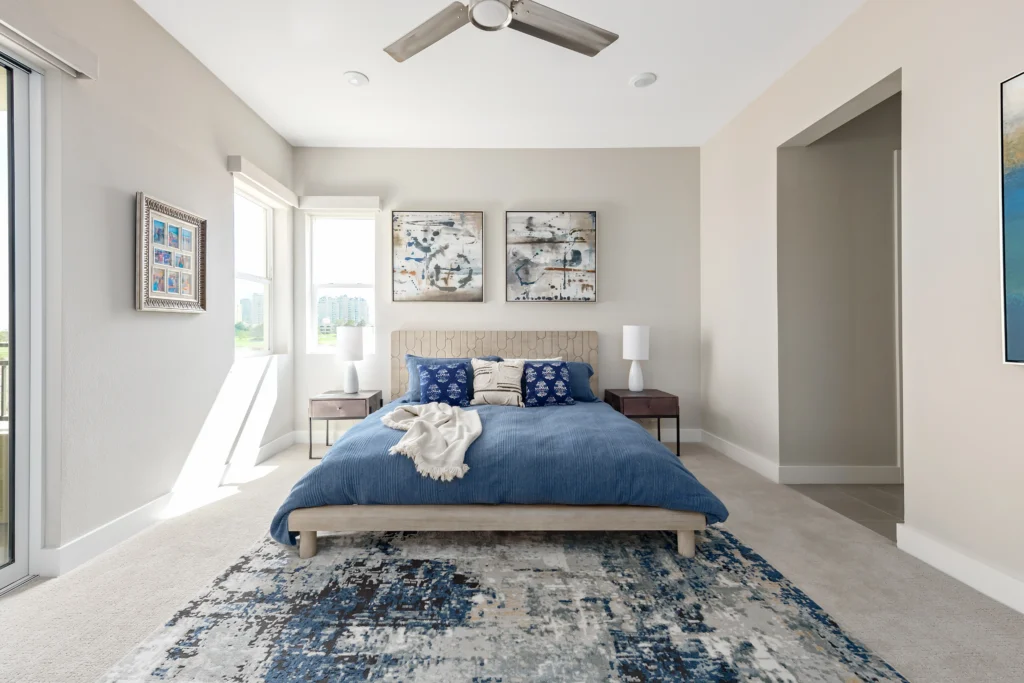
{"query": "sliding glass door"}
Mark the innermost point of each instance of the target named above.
(13, 264)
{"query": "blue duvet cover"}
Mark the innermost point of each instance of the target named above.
(583, 454)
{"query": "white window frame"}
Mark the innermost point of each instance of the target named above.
(268, 281)
(313, 288)
(24, 338)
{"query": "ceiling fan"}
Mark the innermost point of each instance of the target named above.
(526, 16)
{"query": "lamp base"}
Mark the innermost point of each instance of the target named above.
(350, 380)
(636, 377)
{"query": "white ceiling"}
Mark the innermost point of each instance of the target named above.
(504, 89)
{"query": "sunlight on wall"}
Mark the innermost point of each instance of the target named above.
(233, 429)
(242, 467)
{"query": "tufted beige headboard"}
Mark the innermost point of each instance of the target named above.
(576, 346)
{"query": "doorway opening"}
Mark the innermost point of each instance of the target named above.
(840, 413)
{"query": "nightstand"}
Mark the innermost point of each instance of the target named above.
(646, 403)
(337, 405)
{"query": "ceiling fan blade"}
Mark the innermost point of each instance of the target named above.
(445, 22)
(533, 18)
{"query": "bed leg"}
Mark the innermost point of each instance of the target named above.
(307, 544)
(687, 543)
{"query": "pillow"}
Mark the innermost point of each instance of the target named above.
(579, 381)
(579, 378)
(446, 382)
(547, 384)
(497, 383)
(411, 363)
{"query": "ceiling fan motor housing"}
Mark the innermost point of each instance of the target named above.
(490, 15)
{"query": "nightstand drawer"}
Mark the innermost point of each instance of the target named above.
(338, 407)
(650, 406)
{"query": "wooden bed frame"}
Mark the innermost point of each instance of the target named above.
(577, 346)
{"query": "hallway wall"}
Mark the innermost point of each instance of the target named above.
(837, 293)
(963, 445)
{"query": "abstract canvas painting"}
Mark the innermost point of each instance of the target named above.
(1013, 217)
(437, 255)
(551, 256)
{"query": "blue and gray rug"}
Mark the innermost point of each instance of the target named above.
(503, 607)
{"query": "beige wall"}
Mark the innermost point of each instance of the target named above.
(837, 295)
(964, 449)
(137, 387)
(647, 201)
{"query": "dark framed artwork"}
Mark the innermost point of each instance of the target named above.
(437, 256)
(551, 256)
(1013, 218)
(170, 265)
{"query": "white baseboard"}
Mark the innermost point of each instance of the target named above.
(755, 461)
(57, 561)
(984, 578)
(279, 444)
(685, 435)
(839, 474)
(804, 474)
(44, 562)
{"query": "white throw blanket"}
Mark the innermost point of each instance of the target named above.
(437, 437)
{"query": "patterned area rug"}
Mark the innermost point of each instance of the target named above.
(503, 607)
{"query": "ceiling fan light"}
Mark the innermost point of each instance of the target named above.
(490, 15)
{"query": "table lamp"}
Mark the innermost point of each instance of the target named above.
(636, 343)
(349, 350)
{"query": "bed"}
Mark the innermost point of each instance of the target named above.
(583, 467)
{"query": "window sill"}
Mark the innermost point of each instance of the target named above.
(240, 354)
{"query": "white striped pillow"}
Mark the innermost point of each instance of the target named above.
(497, 383)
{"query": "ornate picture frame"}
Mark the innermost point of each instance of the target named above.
(170, 261)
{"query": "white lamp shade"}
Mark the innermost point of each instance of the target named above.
(636, 342)
(350, 343)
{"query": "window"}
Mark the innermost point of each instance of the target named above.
(253, 275)
(341, 258)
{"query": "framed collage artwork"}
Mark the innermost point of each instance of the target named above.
(170, 265)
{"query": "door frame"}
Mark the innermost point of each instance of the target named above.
(897, 220)
(21, 358)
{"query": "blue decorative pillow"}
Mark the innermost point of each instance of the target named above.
(446, 382)
(547, 384)
(579, 381)
(413, 362)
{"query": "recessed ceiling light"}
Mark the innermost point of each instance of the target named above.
(643, 80)
(355, 78)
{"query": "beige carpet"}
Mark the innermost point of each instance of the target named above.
(925, 624)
